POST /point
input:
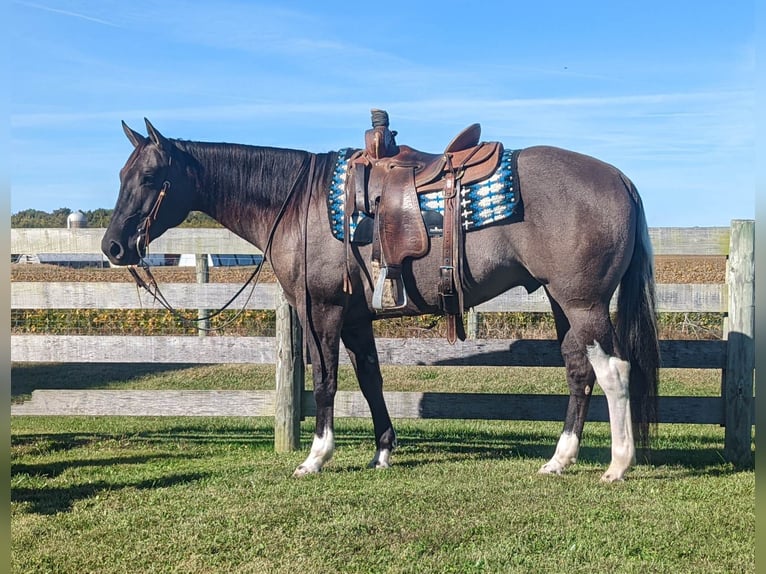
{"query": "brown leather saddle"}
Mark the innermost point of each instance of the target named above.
(384, 182)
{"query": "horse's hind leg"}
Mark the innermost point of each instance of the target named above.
(613, 376)
(580, 379)
(360, 345)
(590, 354)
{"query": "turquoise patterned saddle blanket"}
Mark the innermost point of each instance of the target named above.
(483, 203)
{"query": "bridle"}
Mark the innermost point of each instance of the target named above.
(149, 283)
(143, 231)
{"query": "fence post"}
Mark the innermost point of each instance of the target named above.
(203, 276)
(740, 360)
(290, 377)
(474, 323)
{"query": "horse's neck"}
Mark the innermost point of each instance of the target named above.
(242, 194)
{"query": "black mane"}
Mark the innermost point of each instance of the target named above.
(257, 172)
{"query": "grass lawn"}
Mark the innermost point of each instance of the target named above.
(208, 495)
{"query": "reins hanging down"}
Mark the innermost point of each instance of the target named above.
(150, 286)
(149, 283)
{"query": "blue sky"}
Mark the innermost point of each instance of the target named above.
(663, 90)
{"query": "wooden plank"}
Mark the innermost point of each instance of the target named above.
(740, 364)
(97, 295)
(56, 240)
(142, 349)
(692, 354)
(531, 353)
(526, 407)
(147, 403)
(689, 240)
(261, 350)
(665, 241)
(671, 297)
(75, 295)
(401, 405)
(517, 299)
(88, 240)
(689, 298)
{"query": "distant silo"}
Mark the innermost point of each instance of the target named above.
(76, 219)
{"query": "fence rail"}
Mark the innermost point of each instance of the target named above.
(288, 403)
(684, 298)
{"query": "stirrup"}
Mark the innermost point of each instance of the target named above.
(397, 292)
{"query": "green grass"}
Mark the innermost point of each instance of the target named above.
(209, 495)
(189, 495)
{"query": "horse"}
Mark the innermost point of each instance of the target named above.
(581, 235)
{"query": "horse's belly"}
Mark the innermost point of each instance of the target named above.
(489, 268)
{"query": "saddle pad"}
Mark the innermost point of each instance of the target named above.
(482, 203)
(485, 202)
(336, 198)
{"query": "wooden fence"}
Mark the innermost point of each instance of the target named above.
(289, 402)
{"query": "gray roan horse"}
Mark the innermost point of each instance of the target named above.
(581, 234)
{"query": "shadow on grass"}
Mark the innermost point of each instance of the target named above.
(55, 499)
(54, 469)
(700, 457)
(199, 433)
(51, 498)
(26, 377)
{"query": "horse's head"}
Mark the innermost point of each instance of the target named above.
(158, 185)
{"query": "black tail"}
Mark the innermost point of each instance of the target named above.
(637, 327)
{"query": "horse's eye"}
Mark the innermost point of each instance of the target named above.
(147, 180)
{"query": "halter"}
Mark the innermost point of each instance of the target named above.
(150, 283)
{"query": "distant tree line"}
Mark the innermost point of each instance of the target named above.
(95, 218)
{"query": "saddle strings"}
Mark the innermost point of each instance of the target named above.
(150, 284)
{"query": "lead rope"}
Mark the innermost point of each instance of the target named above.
(153, 288)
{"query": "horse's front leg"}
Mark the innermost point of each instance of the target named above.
(322, 336)
(360, 344)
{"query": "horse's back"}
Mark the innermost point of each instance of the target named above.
(570, 180)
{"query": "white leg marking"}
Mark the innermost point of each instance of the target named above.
(382, 458)
(321, 451)
(613, 376)
(566, 454)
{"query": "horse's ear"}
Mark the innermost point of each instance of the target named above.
(155, 135)
(135, 138)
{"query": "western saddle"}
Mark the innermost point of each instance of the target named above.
(385, 180)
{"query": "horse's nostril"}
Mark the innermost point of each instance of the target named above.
(116, 250)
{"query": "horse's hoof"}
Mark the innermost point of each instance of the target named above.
(302, 471)
(551, 469)
(610, 477)
(382, 459)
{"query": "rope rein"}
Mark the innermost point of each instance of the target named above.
(149, 283)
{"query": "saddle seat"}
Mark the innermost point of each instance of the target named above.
(474, 160)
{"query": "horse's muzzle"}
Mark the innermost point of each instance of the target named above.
(118, 253)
